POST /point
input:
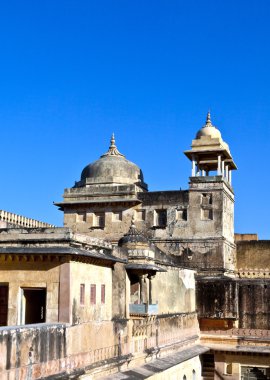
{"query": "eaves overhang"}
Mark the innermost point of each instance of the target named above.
(60, 251)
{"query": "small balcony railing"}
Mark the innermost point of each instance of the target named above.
(143, 308)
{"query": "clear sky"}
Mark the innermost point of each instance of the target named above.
(73, 72)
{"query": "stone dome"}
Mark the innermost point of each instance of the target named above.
(133, 238)
(113, 167)
(209, 130)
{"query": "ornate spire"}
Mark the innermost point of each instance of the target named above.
(113, 151)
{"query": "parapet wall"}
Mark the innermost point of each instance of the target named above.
(51, 351)
(33, 351)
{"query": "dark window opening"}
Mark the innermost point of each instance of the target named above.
(99, 219)
(206, 199)
(34, 300)
(3, 305)
(207, 214)
(182, 214)
(161, 218)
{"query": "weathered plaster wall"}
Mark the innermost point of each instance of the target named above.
(81, 219)
(31, 352)
(254, 255)
(174, 291)
(30, 274)
(254, 306)
(90, 336)
(217, 298)
(120, 291)
(88, 274)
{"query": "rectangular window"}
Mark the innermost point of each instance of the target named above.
(181, 214)
(81, 217)
(99, 219)
(140, 215)
(117, 216)
(206, 199)
(93, 294)
(160, 218)
(206, 214)
(102, 293)
(82, 294)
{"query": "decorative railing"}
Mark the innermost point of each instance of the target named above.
(253, 272)
(22, 221)
(256, 333)
(140, 345)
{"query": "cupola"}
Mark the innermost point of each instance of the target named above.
(112, 168)
(209, 153)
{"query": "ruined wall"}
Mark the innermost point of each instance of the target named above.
(30, 274)
(84, 310)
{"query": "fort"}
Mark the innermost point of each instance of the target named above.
(137, 284)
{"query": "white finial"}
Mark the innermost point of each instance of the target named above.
(112, 141)
(113, 151)
(208, 119)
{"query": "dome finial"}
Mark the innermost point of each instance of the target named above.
(113, 151)
(112, 141)
(132, 226)
(208, 119)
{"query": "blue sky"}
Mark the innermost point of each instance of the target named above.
(73, 72)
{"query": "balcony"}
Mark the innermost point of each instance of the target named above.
(143, 309)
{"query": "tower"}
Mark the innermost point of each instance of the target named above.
(211, 198)
(211, 213)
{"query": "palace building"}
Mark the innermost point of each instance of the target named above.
(137, 284)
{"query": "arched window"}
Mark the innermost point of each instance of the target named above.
(193, 374)
(184, 377)
(229, 369)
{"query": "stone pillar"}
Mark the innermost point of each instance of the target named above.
(143, 289)
(198, 170)
(193, 173)
(150, 277)
(219, 166)
(227, 172)
(222, 169)
(64, 303)
(230, 177)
